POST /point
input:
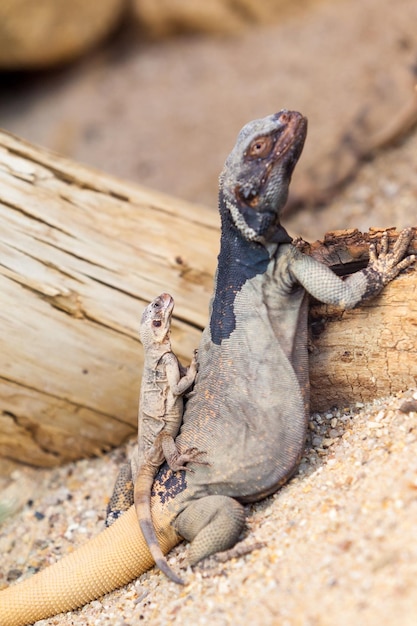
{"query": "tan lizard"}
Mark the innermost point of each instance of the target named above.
(164, 381)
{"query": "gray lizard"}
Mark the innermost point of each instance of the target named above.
(164, 381)
(249, 407)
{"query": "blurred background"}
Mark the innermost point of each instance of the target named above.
(155, 91)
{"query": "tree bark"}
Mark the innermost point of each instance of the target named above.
(82, 253)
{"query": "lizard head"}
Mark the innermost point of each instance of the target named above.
(255, 179)
(155, 324)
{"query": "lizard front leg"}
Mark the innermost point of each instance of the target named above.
(319, 281)
(180, 379)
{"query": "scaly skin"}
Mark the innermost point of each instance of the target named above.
(160, 416)
(108, 561)
(164, 382)
(249, 407)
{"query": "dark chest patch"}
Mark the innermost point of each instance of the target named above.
(239, 260)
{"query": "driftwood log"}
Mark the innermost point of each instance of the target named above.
(81, 253)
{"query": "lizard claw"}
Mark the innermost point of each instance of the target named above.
(390, 264)
(384, 245)
(190, 455)
(373, 256)
(193, 367)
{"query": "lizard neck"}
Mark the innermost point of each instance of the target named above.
(239, 260)
(155, 351)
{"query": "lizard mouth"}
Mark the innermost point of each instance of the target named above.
(167, 303)
(292, 135)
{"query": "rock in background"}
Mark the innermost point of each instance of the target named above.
(48, 32)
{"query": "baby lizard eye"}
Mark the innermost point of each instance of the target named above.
(157, 323)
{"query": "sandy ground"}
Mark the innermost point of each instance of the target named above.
(337, 543)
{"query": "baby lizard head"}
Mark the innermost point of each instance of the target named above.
(155, 324)
(257, 173)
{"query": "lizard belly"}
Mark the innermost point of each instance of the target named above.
(247, 411)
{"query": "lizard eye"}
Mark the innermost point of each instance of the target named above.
(157, 323)
(260, 147)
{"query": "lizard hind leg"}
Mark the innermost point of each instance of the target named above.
(212, 524)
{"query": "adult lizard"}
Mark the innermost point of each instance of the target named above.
(164, 381)
(249, 406)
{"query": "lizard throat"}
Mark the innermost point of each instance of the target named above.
(239, 221)
(272, 231)
(243, 255)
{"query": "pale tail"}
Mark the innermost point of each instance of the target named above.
(110, 560)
